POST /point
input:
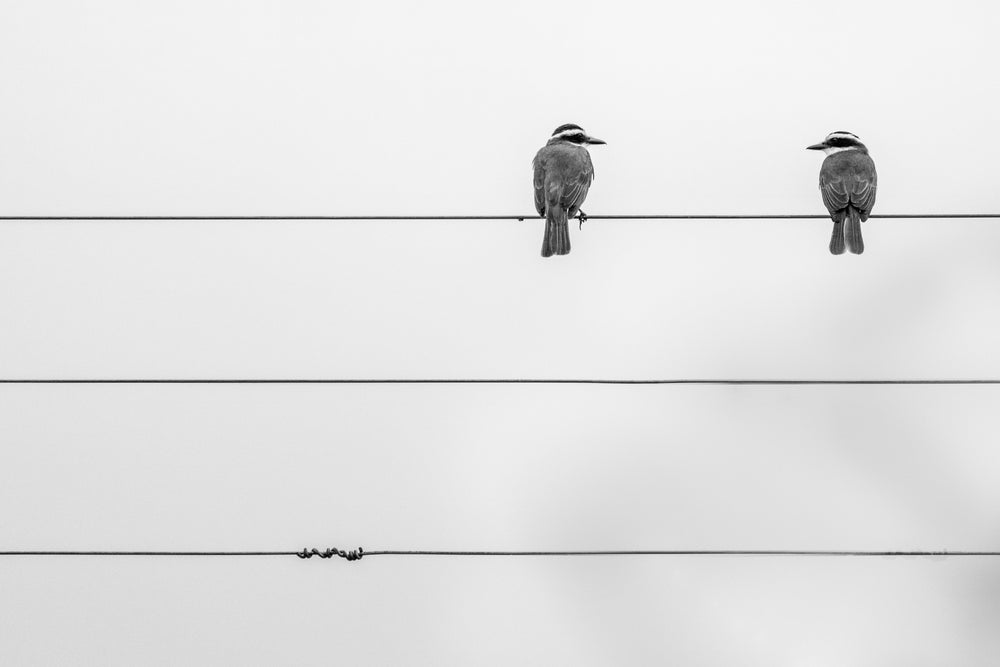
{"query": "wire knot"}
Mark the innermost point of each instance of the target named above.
(356, 554)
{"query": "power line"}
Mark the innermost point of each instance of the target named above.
(687, 552)
(359, 553)
(581, 381)
(641, 216)
(149, 553)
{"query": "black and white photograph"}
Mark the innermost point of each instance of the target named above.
(525, 333)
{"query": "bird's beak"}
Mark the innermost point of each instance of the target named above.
(592, 140)
(817, 147)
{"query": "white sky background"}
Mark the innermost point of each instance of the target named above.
(299, 108)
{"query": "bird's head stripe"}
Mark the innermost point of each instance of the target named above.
(578, 136)
(840, 134)
(562, 129)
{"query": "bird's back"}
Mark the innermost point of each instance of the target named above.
(848, 178)
(563, 174)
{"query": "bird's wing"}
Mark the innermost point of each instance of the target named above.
(835, 195)
(576, 190)
(539, 167)
(575, 194)
(863, 196)
(865, 184)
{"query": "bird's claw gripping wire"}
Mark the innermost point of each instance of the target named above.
(330, 553)
(582, 217)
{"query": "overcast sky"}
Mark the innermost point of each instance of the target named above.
(391, 108)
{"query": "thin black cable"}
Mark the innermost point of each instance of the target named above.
(359, 553)
(687, 552)
(733, 382)
(642, 216)
(305, 553)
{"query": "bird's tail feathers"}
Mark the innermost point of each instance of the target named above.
(556, 241)
(853, 232)
(837, 238)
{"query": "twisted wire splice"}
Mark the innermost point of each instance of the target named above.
(356, 554)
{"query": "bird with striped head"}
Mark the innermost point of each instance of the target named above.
(847, 182)
(563, 174)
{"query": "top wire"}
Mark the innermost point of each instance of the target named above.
(643, 216)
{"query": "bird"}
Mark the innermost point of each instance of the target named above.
(563, 174)
(847, 181)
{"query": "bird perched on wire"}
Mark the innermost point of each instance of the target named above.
(563, 174)
(848, 182)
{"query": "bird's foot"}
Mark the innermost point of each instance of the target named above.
(582, 217)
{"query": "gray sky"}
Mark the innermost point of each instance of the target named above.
(284, 108)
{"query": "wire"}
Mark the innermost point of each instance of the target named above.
(733, 382)
(359, 553)
(641, 216)
(305, 553)
(691, 552)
